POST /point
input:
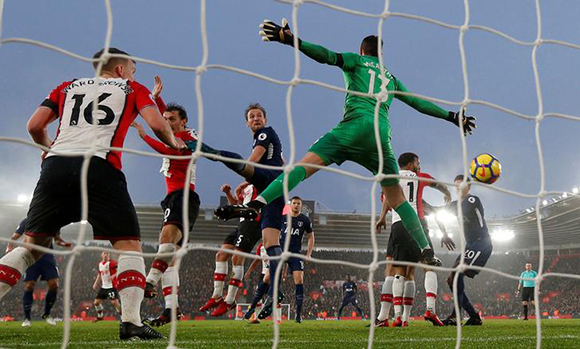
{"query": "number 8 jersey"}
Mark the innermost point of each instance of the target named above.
(409, 186)
(118, 103)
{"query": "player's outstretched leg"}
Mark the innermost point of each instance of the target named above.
(261, 290)
(273, 251)
(158, 267)
(431, 299)
(12, 266)
(237, 167)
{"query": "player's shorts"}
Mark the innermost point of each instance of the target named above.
(476, 253)
(528, 294)
(107, 293)
(295, 264)
(349, 300)
(354, 140)
(390, 247)
(57, 200)
(404, 247)
(271, 214)
(246, 235)
(172, 207)
(45, 268)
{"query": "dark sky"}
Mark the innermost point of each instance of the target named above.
(424, 56)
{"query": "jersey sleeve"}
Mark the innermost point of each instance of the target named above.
(263, 138)
(112, 267)
(350, 60)
(143, 97)
(522, 275)
(258, 252)
(160, 147)
(160, 104)
(321, 54)
(421, 105)
(21, 227)
(307, 225)
(53, 98)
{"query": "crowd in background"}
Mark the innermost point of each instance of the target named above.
(492, 294)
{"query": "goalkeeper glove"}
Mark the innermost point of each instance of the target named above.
(271, 31)
(468, 121)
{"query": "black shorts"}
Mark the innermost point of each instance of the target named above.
(476, 253)
(172, 207)
(405, 248)
(295, 264)
(390, 247)
(45, 268)
(528, 294)
(246, 235)
(271, 213)
(107, 293)
(349, 300)
(57, 200)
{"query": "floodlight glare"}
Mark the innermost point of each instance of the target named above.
(502, 235)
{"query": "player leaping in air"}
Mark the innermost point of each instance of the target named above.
(171, 235)
(354, 137)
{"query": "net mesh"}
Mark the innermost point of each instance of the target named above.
(204, 66)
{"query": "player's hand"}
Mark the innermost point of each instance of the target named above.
(467, 121)
(240, 188)
(157, 88)
(179, 144)
(517, 292)
(271, 31)
(226, 188)
(9, 248)
(95, 287)
(381, 223)
(139, 128)
(447, 242)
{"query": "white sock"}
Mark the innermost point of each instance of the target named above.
(170, 278)
(398, 286)
(221, 270)
(386, 298)
(408, 299)
(131, 287)
(431, 290)
(235, 283)
(12, 266)
(99, 309)
(160, 264)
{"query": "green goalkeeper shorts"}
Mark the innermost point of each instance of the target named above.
(355, 140)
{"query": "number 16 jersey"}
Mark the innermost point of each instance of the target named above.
(118, 103)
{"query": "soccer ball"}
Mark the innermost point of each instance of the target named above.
(485, 168)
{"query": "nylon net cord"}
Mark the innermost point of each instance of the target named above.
(296, 80)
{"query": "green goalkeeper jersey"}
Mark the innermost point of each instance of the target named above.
(363, 74)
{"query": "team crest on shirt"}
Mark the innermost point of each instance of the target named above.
(471, 199)
(300, 224)
(262, 136)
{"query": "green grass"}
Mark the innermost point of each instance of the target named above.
(310, 334)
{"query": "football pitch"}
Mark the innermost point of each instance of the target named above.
(309, 334)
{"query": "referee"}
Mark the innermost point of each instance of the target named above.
(528, 285)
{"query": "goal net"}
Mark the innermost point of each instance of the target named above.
(205, 65)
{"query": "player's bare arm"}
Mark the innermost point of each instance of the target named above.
(382, 221)
(38, 123)
(60, 242)
(160, 127)
(253, 266)
(257, 154)
(157, 88)
(97, 282)
(310, 244)
(227, 189)
(240, 188)
(10, 246)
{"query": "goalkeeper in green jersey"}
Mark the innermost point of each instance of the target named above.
(354, 137)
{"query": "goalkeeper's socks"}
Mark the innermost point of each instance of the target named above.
(219, 276)
(431, 290)
(131, 287)
(276, 188)
(412, 224)
(160, 263)
(12, 266)
(27, 300)
(49, 301)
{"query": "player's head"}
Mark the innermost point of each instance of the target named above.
(255, 117)
(105, 256)
(296, 205)
(528, 266)
(176, 116)
(462, 191)
(119, 67)
(348, 278)
(409, 161)
(370, 46)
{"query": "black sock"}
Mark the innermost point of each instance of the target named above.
(259, 293)
(526, 311)
(273, 251)
(234, 166)
(299, 299)
(27, 300)
(49, 302)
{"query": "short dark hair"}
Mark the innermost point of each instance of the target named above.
(296, 198)
(460, 177)
(254, 106)
(179, 109)
(113, 61)
(370, 45)
(406, 158)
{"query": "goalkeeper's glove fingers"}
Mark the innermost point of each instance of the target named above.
(467, 121)
(271, 31)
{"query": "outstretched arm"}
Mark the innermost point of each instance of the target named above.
(271, 31)
(429, 108)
